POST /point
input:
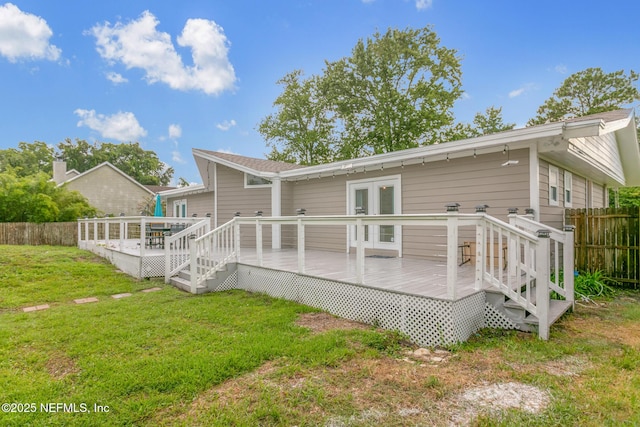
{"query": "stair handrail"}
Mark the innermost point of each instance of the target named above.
(560, 258)
(210, 252)
(177, 255)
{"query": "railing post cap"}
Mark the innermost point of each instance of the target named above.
(258, 213)
(237, 213)
(569, 228)
(359, 210)
(192, 236)
(301, 211)
(452, 207)
(543, 232)
(481, 208)
(512, 211)
(529, 211)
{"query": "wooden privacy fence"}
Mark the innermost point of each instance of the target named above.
(608, 239)
(48, 233)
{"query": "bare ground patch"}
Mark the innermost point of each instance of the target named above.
(59, 365)
(322, 322)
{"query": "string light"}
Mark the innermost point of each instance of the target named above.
(423, 161)
(447, 157)
(474, 153)
(381, 166)
(402, 164)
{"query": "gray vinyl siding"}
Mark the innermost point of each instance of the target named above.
(601, 150)
(598, 196)
(468, 181)
(112, 193)
(579, 192)
(233, 197)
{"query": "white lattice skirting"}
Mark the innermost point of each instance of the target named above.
(426, 321)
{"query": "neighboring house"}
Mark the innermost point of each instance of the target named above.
(108, 189)
(546, 168)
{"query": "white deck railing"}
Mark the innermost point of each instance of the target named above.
(118, 230)
(518, 255)
(177, 249)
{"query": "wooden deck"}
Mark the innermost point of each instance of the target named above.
(422, 277)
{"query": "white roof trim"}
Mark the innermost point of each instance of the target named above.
(183, 191)
(232, 165)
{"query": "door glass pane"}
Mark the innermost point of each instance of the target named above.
(385, 198)
(362, 204)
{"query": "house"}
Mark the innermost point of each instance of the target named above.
(543, 169)
(108, 189)
(419, 240)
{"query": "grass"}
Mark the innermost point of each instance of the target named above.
(233, 358)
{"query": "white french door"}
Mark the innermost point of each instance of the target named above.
(380, 196)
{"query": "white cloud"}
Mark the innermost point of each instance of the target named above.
(226, 125)
(561, 68)
(122, 126)
(175, 131)
(116, 78)
(521, 90)
(138, 44)
(177, 157)
(226, 150)
(423, 4)
(25, 36)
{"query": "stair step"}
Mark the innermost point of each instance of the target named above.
(556, 309)
(185, 285)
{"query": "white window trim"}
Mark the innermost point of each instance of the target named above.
(180, 203)
(553, 170)
(568, 187)
(255, 186)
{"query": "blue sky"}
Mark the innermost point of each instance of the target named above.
(202, 74)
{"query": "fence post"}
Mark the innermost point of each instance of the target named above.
(568, 264)
(542, 283)
(452, 249)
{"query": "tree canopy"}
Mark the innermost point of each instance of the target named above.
(395, 91)
(36, 198)
(587, 92)
(31, 158)
(484, 124)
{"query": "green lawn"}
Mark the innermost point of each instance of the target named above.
(233, 358)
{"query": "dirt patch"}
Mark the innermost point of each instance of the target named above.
(60, 365)
(322, 322)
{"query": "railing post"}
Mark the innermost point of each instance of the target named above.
(143, 236)
(452, 249)
(512, 261)
(121, 234)
(194, 270)
(542, 283)
(106, 233)
(259, 237)
(360, 251)
(568, 263)
(236, 237)
(301, 243)
(95, 231)
(79, 233)
(481, 244)
(86, 230)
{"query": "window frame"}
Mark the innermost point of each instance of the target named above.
(568, 189)
(553, 171)
(247, 185)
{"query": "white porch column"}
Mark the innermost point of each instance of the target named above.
(534, 181)
(276, 210)
(452, 250)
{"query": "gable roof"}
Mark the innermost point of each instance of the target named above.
(106, 165)
(249, 164)
(553, 133)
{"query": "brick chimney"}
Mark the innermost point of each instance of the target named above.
(59, 171)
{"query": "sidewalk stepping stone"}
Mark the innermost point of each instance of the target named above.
(151, 289)
(35, 308)
(118, 296)
(85, 300)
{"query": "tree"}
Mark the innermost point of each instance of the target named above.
(587, 92)
(395, 91)
(485, 124)
(36, 198)
(301, 131)
(27, 159)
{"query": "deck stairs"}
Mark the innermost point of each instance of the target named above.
(182, 280)
(518, 315)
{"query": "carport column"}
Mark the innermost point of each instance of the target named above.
(276, 195)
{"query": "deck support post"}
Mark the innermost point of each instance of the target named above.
(194, 272)
(301, 243)
(259, 241)
(568, 264)
(452, 250)
(542, 283)
(360, 252)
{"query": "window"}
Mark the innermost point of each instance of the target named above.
(568, 189)
(554, 176)
(253, 181)
(180, 208)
